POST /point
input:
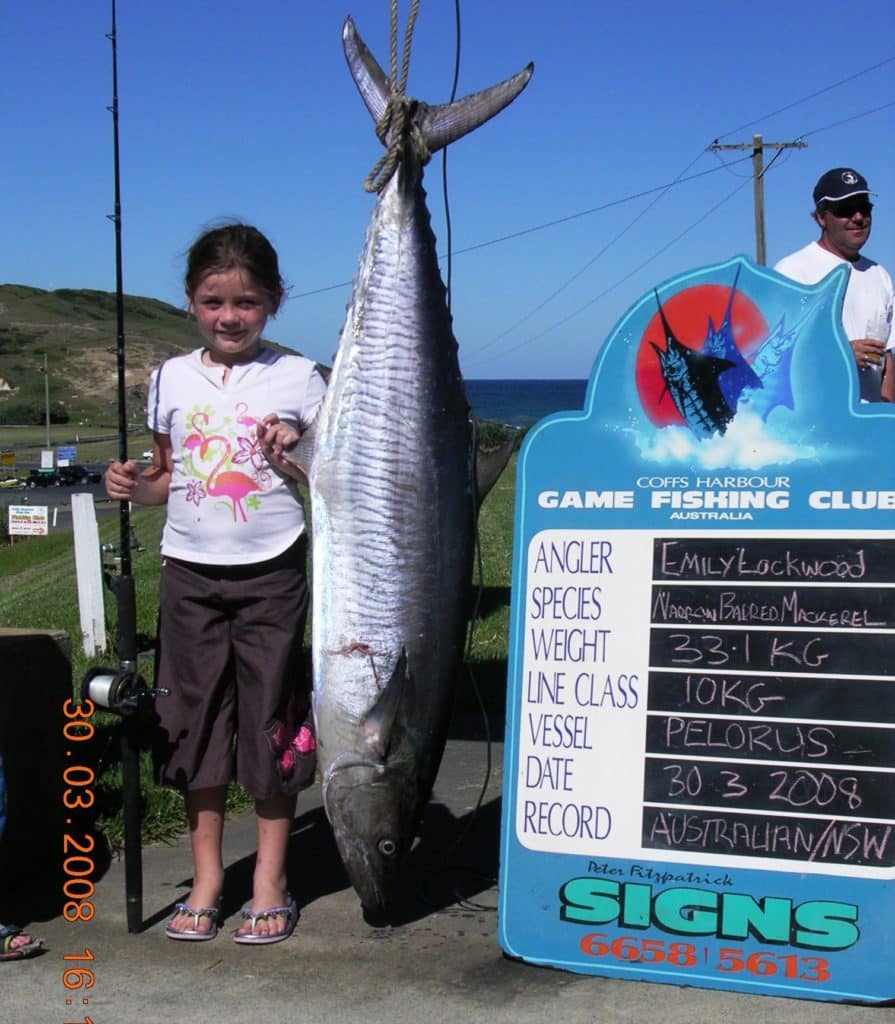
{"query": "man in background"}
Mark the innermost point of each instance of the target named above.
(843, 211)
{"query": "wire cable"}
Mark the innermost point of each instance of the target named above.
(547, 224)
(569, 281)
(805, 99)
(444, 154)
(621, 280)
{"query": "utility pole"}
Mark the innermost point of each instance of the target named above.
(758, 147)
(46, 374)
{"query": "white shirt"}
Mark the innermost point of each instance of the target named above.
(226, 504)
(867, 309)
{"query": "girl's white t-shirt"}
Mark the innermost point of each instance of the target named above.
(226, 504)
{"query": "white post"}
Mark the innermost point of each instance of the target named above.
(89, 574)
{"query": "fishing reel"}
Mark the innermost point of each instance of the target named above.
(122, 690)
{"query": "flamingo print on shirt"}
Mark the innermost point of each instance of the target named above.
(210, 455)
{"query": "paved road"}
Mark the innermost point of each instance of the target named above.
(57, 501)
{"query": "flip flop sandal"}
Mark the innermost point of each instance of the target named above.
(7, 933)
(252, 938)
(194, 934)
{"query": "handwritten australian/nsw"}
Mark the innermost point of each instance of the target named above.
(771, 700)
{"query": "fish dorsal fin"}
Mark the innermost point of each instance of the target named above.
(440, 124)
(379, 721)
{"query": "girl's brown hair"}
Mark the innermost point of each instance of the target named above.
(235, 246)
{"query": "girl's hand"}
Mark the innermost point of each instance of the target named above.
(121, 481)
(277, 438)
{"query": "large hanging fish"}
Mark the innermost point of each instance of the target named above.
(393, 507)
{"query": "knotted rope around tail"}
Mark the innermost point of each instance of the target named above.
(394, 129)
(396, 124)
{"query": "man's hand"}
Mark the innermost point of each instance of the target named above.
(868, 352)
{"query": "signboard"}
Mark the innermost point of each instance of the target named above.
(700, 749)
(46, 458)
(65, 455)
(28, 521)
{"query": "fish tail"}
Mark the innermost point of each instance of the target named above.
(440, 124)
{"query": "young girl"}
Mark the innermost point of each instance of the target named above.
(233, 595)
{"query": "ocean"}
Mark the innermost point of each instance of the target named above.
(519, 403)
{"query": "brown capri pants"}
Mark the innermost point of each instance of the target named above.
(230, 652)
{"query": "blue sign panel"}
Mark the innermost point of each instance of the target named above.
(700, 749)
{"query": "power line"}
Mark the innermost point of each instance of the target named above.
(547, 224)
(621, 280)
(624, 199)
(758, 171)
(590, 262)
(849, 119)
(594, 209)
(804, 99)
(658, 189)
(757, 177)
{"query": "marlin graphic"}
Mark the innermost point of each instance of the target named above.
(720, 343)
(692, 380)
(772, 363)
(708, 385)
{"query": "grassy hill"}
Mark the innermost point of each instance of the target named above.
(78, 331)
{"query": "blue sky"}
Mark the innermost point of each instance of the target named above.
(248, 111)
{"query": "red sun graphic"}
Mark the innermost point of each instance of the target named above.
(688, 315)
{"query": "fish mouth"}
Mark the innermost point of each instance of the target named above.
(370, 809)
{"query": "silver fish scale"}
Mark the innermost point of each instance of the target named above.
(390, 485)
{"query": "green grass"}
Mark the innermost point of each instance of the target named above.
(38, 590)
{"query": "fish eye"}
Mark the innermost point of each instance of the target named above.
(387, 847)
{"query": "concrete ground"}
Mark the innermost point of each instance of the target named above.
(438, 962)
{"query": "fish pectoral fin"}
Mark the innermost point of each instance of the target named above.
(379, 722)
(490, 464)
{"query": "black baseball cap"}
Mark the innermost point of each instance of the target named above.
(840, 183)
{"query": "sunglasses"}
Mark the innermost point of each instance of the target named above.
(846, 209)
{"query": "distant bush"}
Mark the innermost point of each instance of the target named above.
(29, 414)
(493, 435)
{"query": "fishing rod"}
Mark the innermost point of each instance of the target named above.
(123, 690)
(125, 594)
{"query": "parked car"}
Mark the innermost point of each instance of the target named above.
(41, 478)
(74, 475)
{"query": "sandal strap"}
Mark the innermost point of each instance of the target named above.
(212, 913)
(7, 933)
(265, 915)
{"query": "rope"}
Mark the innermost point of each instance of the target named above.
(396, 126)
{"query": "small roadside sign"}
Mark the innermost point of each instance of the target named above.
(28, 521)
